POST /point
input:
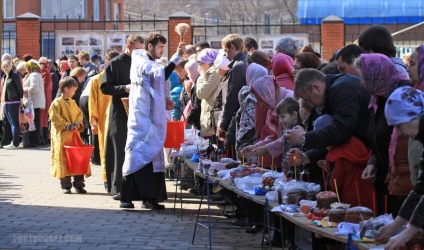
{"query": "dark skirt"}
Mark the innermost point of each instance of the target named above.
(144, 185)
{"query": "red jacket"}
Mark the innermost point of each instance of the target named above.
(350, 159)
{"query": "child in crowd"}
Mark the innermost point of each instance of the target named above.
(288, 112)
(305, 110)
(346, 163)
(65, 116)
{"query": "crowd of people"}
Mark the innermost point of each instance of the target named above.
(357, 118)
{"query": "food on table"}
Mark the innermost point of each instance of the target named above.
(325, 198)
(358, 214)
(294, 196)
(337, 214)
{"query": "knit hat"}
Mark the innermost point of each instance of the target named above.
(323, 121)
(222, 61)
(207, 56)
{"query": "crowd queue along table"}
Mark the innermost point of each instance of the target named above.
(300, 221)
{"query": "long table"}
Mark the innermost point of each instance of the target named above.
(300, 221)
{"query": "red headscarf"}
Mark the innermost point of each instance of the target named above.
(64, 66)
(282, 65)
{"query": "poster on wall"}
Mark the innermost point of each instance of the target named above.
(69, 43)
(73, 42)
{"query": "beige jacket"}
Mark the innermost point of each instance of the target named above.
(34, 90)
(205, 90)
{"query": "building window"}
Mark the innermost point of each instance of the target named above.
(116, 11)
(63, 9)
(8, 8)
(108, 10)
(9, 39)
(96, 8)
(48, 44)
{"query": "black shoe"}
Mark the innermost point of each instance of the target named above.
(126, 205)
(67, 191)
(117, 197)
(254, 229)
(81, 190)
(152, 205)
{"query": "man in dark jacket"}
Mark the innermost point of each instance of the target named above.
(341, 96)
(233, 48)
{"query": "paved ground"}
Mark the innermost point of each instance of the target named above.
(34, 214)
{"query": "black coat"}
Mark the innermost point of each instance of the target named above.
(14, 90)
(236, 80)
(193, 117)
(347, 101)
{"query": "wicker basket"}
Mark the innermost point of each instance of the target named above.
(125, 101)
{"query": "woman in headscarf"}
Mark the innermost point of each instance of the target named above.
(415, 71)
(245, 120)
(33, 95)
(268, 95)
(254, 72)
(207, 84)
(282, 65)
(64, 67)
(405, 110)
(380, 78)
(193, 116)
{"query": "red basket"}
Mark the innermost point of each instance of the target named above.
(78, 156)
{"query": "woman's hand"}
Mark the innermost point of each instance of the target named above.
(260, 151)
(369, 173)
(247, 151)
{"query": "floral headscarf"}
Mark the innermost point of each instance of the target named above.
(404, 105)
(253, 72)
(264, 88)
(420, 84)
(380, 76)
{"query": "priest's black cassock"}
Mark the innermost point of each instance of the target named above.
(117, 77)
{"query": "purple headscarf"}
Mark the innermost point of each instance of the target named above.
(253, 72)
(420, 84)
(379, 74)
(264, 88)
(207, 56)
(191, 69)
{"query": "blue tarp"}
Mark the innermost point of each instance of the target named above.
(362, 11)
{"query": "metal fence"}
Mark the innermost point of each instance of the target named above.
(201, 32)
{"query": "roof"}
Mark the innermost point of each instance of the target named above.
(362, 11)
